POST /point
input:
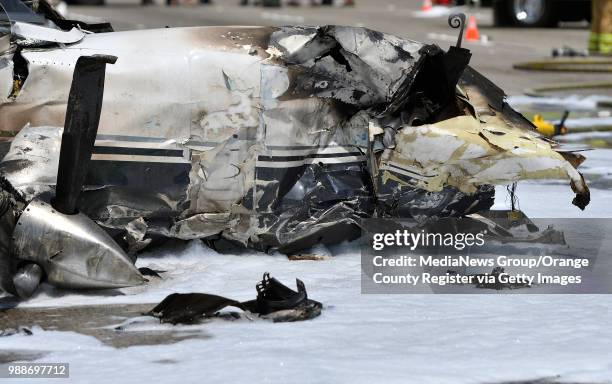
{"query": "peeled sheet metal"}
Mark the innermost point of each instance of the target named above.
(464, 153)
(31, 34)
(277, 137)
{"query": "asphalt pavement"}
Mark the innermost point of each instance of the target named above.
(493, 58)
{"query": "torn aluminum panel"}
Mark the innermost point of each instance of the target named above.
(31, 34)
(275, 138)
(464, 153)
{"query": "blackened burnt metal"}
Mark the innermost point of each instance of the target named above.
(275, 301)
(457, 58)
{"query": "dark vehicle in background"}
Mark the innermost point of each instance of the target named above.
(539, 13)
(534, 13)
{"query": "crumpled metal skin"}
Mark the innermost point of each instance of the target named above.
(271, 137)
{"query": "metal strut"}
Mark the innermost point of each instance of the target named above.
(457, 20)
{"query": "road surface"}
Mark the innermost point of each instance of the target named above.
(494, 59)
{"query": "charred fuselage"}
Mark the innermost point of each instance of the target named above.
(272, 137)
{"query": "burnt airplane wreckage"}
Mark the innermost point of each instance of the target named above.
(269, 137)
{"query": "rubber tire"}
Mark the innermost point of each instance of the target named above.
(503, 15)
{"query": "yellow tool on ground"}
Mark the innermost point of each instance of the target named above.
(549, 129)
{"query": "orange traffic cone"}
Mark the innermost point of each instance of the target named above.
(471, 32)
(427, 6)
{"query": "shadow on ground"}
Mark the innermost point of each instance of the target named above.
(101, 322)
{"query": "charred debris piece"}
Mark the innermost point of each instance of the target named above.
(275, 302)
